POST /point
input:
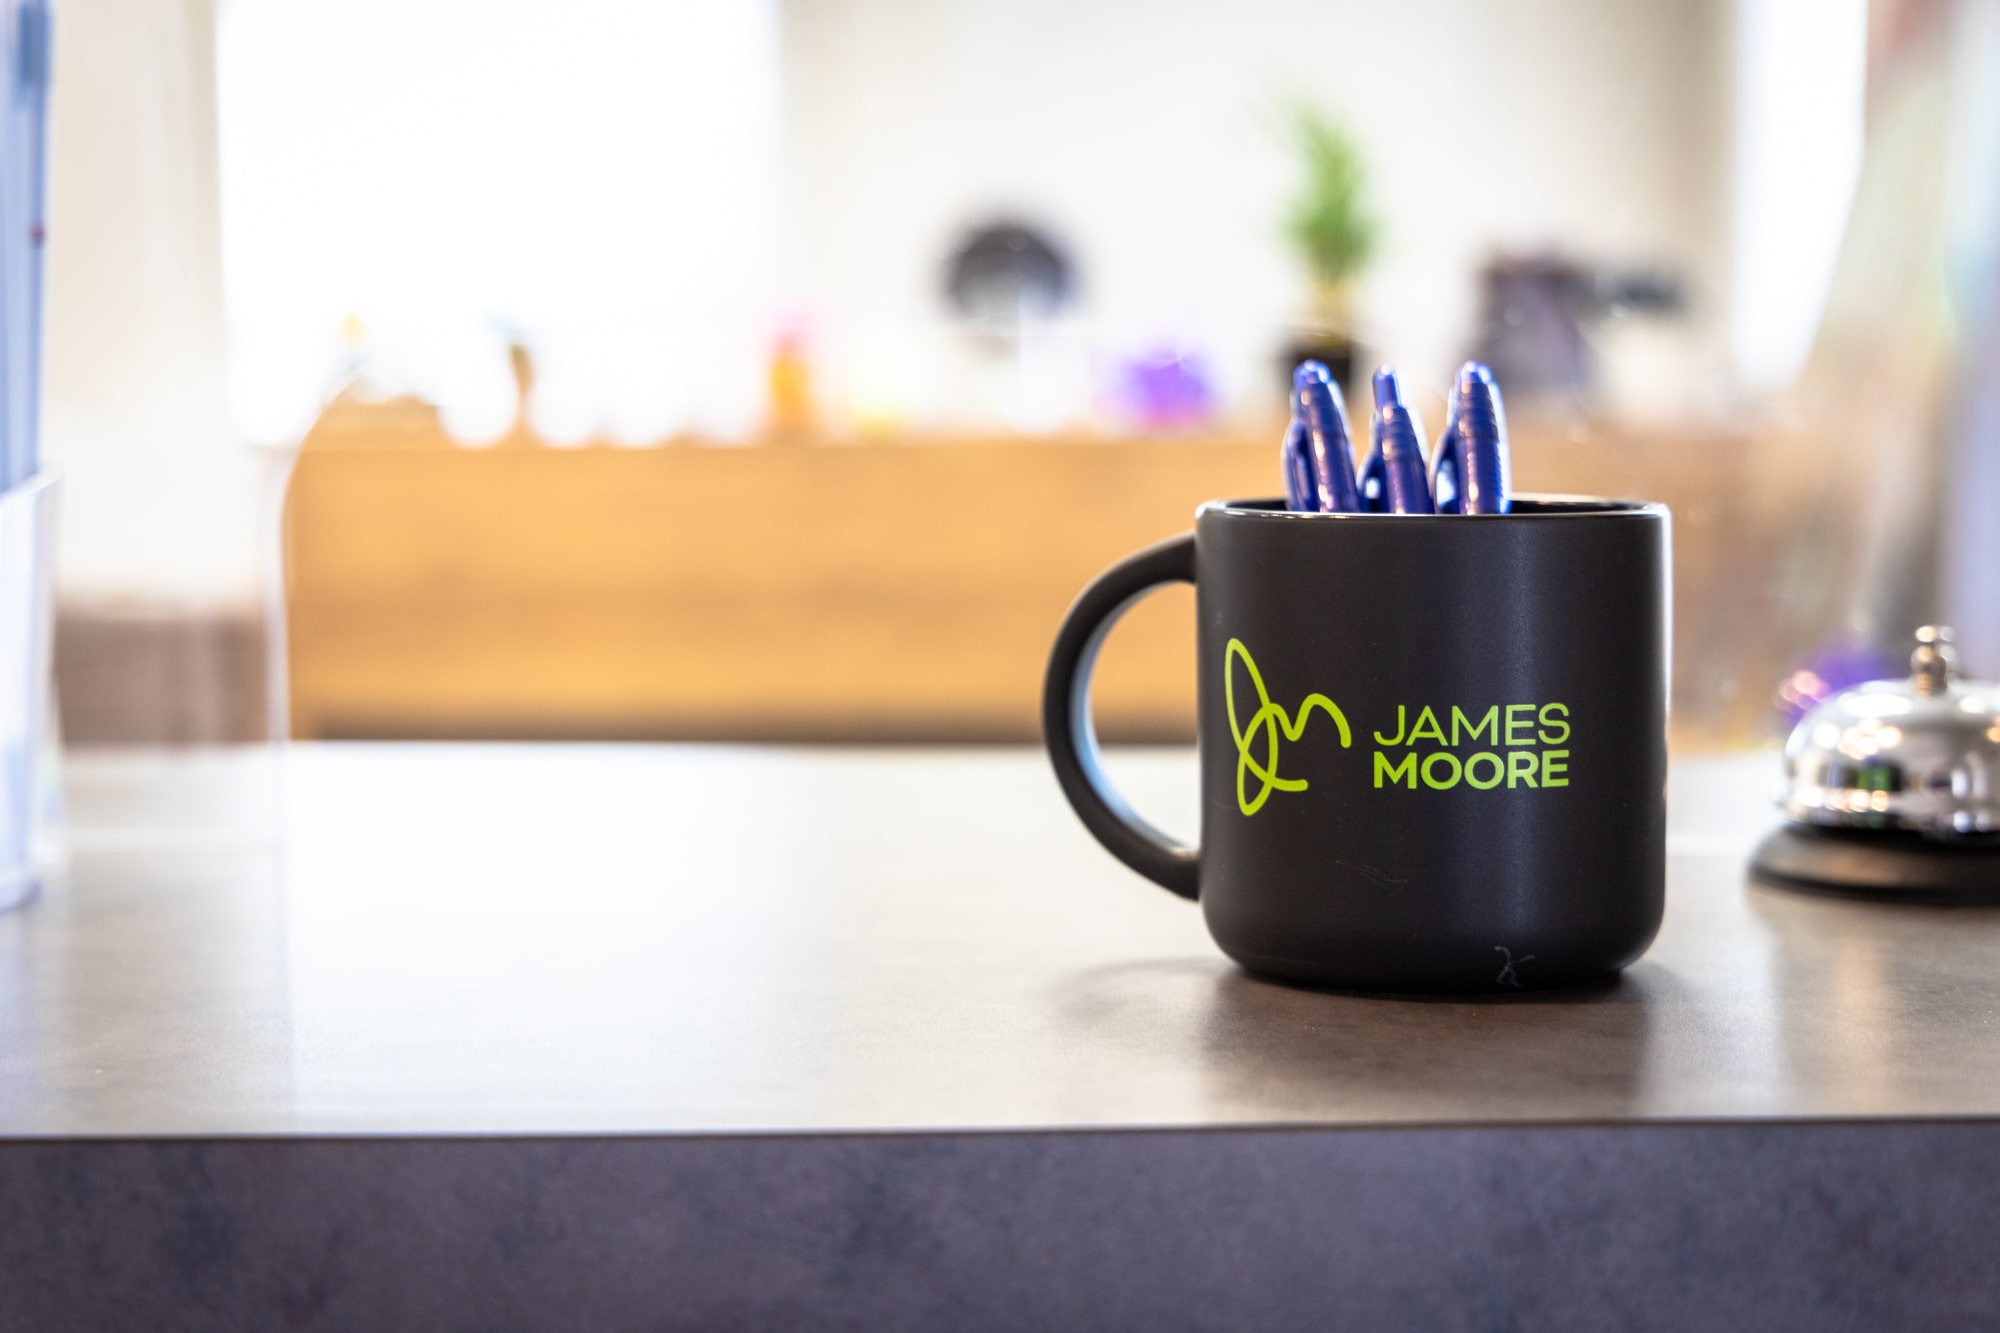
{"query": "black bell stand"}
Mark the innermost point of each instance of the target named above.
(1886, 865)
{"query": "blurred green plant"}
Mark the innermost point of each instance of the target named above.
(1328, 222)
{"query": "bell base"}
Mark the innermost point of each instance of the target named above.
(1884, 866)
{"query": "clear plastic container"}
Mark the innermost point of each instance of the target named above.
(30, 792)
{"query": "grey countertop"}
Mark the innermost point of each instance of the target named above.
(473, 939)
(497, 1037)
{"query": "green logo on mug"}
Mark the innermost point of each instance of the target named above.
(1512, 746)
(1271, 720)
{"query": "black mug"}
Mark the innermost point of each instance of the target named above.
(1433, 747)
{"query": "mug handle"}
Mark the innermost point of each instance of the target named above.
(1072, 739)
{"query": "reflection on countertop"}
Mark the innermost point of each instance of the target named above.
(676, 939)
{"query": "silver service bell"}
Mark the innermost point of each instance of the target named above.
(1892, 789)
(1921, 754)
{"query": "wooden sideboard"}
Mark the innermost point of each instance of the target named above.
(837, 591)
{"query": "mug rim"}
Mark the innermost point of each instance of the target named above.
(1542, 506)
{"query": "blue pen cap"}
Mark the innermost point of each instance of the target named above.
(1324, 415)
(1308, 375)
(1295, 461)
(1480, 442)
(1369, 481)
(1446, 489)
(1398, 437)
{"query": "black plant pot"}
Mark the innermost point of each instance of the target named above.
(1340, 354)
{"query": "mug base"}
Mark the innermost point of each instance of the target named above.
(1511, 977)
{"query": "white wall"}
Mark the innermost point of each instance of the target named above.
(594, 177)
(1142, 130)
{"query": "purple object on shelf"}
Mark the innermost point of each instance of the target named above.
(1838, 666)
(1167, 388)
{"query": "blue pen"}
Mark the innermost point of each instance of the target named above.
(1296, 461)
(1369, 482)
(1399, 441)
(1316, 400)
(1479, 442)
(1374, 495)
(1446, 490)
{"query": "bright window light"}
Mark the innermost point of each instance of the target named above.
(418, 183)
(1800, 77)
